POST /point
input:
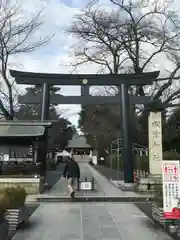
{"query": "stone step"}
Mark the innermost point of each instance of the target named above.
(128, 199)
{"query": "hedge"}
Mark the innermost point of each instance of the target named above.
(140, 162)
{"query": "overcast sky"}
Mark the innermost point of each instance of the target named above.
(58, 15)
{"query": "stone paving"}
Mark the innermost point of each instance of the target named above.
(102, 185)
(90, 221)
(61, 189)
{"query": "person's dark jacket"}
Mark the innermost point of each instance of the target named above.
(71, 169)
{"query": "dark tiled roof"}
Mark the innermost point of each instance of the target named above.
(78, 141)
(25, 123)
(21, 131)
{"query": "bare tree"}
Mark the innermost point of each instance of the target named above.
(17, 36)
(129, 38)
(97, 43)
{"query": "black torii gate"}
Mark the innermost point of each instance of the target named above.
(122, 81)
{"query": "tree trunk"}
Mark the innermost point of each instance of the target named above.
(5, 113)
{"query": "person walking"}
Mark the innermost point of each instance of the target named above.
(72, 173)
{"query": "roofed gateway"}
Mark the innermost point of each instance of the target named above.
(123, 81)
(79, 145)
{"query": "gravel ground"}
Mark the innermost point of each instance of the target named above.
(54, 176)
(145, 208)
(110, 173)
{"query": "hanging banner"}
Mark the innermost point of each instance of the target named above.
(171, 189)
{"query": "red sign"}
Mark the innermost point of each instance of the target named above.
(175, 214)
(171, 189)
(170, 169)
(170, 172)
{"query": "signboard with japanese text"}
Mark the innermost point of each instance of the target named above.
(155, 142)
(85, 186)
(171, 189)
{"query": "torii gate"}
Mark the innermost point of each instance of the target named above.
(123, 81)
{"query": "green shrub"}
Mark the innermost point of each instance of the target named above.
(2, 209)
(158, 195)
(113, 160)
(51, 165)
(171, 155)
(141, 163)
(13, 198)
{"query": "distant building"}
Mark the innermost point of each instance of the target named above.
(79, 145)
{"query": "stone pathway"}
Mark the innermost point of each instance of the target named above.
(60, 188)
(104, 190)
(90, 221)
(103, 187)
